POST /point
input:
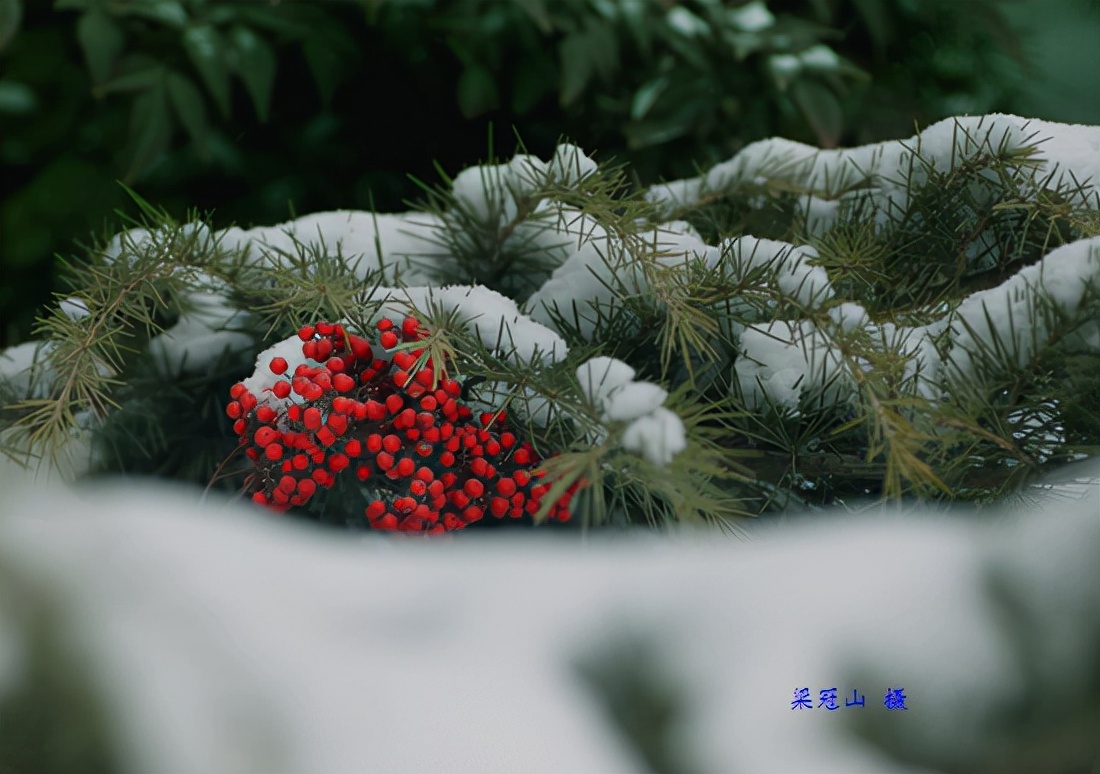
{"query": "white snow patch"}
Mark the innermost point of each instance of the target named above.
(284, 649)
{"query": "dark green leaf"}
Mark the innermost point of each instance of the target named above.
(205, 46)
(150, 130)
(536, 9)
(646, 96)
(101, 40)
(11, 14)
(822, 110)
(272, 19)
(190, 109)
(576, 67)
(604, 47)
(877, 21)
(16, 98)
(138, 79)
(324, 64)
(168, 12)
(634, 14)
(657, 131)
(477, 91)
(535, 76)
(255, 65)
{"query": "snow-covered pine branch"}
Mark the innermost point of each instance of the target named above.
(966, 251)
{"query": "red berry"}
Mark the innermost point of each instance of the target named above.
(374, 443)
(326, 436)
(405, 467)
(288, 484)
(238, 427)
(384, 461)
(388, 340)
(233, 410)
(362, 472)
(506, 487)
(391, 443)
(384, 324)
(259, 498)
(281, 389)
(473, 488)
(418, 488)
(273, 451)
(522, 456)
(409, 326)
(237, 390)
(311, 417)
(300, 462)
(265, 435)
(338, 423)
(498, 506)
(338, 462)
(325, 328)
(375, 509)
(425, 474)
(472, 514)
(353, 448)
(306, 333)
(278, 366)
(394, 403)
(343, 383)
(335, 364)
(360, 347)
(265, 413)
(306, 487)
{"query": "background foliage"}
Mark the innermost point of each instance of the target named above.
(257, 110)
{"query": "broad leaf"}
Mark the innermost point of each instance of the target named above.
(255, 66)
(535, 76)
(150, 130)
(576, 66)
(141, 76)
(205, 46)
(324, 64)
(11, 14)
(101, 40)
(477, 91)
(646, 96)
(190, 109)
(168, 12)
(822, 110)
(16, 98)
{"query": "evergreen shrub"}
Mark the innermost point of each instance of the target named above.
(908, 319)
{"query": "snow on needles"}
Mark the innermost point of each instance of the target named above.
(654, 432)
(1066, 154)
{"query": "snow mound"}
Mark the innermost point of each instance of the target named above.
(221, 640)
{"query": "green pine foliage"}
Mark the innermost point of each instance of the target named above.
(918, 393)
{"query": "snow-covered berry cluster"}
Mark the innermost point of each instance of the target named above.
(399, 425)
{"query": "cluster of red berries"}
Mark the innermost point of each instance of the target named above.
(432, 465)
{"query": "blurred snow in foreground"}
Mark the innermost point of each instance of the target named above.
(223, 640)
